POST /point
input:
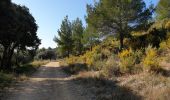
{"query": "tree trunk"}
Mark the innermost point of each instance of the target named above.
(9, 64)
(7, 56)
(4, 57)
(121, 41)
(79, 49)
(91, 48)
(68, 53)
(16, 60)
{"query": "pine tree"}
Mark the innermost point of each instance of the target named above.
(163, 9)
(78, 30)
(90, 38)
(65, 41)
(118, 16)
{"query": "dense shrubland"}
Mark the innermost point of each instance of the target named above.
(138, 69)
(126, 45)
(115, 44)
(107, 55)
(143, 51)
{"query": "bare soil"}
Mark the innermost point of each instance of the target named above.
(48, 83)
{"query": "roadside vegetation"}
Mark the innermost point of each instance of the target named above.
(19, 53)
(123, 52)
(20, 73)
(120, 48)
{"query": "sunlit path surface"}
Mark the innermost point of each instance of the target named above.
(48, 83)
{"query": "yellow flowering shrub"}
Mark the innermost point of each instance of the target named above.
(74, 65)
(98, 54)
(167, 26)
(165, 46)
(128, 59)
(72, 60)
(88, 57)
(151, 60)
(125, 53)
(95, 58)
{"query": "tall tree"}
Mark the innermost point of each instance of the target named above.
(163, 9)
(65, 41)
(77, 29)
(118, 16)
(17, 30)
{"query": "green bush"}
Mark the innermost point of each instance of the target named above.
(75, 68)
(157, 33)
(26, 69)
(29, 68)
(5, 80)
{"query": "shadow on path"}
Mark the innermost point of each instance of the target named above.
(51, 83)
(108, 90)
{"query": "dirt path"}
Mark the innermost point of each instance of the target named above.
(48, 83)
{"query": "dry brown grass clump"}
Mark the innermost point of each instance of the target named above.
(38, 63)
(143, 86)
(150, 86)
(105, 89)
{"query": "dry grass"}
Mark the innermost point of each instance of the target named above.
(89, 74)
(22, 77)
(149, 86)
(105, 89)
(143, 86)
(38, 63)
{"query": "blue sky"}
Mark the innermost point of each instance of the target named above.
(50, 13)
